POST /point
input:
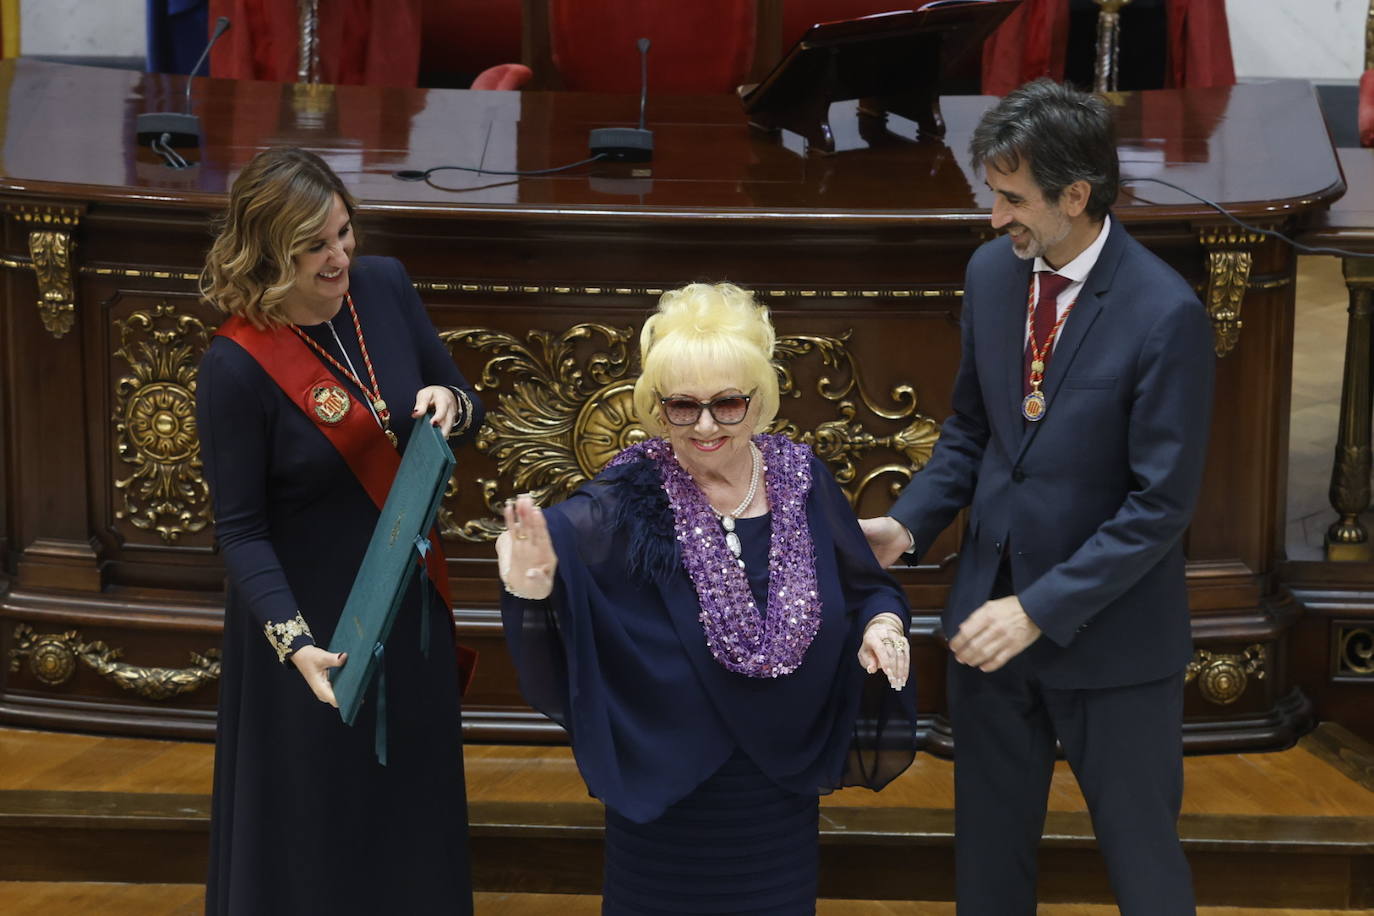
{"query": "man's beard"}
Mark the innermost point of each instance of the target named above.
(1037, 246)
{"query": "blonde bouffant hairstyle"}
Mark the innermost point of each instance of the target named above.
(704, 335)
(277, 207)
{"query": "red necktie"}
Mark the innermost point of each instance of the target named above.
(1046, 313)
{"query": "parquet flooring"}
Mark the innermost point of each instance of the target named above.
(1296, 782)
(69, 899)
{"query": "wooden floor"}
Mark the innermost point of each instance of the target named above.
(1317, 779)
(1300, 782)
(45, 899)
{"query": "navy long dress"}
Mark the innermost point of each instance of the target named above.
(304, 819)
(710, 778)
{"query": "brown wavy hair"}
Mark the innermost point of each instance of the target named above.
(277, 207)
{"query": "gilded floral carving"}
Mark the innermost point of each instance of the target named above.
(155, 423)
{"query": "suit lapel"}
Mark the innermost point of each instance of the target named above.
(1087, 307)
(1012, 336)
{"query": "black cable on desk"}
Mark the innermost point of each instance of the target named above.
(1270, 233)
(419, 175)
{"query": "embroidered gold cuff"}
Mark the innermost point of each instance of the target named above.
(282, 633)
(465, 403)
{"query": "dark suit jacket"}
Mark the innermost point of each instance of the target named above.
(1091, 503)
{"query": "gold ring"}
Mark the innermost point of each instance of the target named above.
(522, 537)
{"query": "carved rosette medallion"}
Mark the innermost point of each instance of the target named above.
(1222, 677)
(51, 249)
(52, 659)
(1354, 651)
(155, 423)
(606, 426)
(565, 409)
(1229, 259)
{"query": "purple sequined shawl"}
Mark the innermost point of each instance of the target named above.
(739, 637)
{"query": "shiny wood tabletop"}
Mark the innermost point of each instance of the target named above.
(1350, 221)
(1262, 149)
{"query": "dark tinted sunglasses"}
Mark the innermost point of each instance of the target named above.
(726, 410)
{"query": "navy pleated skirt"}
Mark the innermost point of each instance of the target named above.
(738, 844)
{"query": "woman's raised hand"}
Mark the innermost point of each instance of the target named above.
(524, 553)
(885, 646)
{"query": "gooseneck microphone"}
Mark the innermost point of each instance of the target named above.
(629, 144)
(164, 129)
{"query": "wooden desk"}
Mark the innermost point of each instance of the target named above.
(538, 284)
(1333, 645)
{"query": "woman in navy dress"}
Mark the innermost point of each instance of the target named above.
(305, 819)
(704, 618)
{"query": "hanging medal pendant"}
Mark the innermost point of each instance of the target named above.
(395, 443)
(1033, 407)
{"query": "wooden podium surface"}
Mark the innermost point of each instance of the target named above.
(538, 285)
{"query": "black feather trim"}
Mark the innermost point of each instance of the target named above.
(644, 518)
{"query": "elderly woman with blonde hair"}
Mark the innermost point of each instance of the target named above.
(707, 621)
(299, 442)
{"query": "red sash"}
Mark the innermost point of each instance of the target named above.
(354, 432)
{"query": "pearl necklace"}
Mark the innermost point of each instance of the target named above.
(727, 519)
(742, 637)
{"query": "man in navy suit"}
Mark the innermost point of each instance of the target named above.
(1080, 418)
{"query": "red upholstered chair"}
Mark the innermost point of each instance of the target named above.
(502, 76)
(468, 36)
(698, 46)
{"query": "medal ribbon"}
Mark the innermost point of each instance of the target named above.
(374, 394)
(1049, 285)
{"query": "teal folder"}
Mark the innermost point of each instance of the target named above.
(393, 558)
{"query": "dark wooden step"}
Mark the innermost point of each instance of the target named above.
(867, 852)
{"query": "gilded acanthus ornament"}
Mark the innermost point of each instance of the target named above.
(844, 441)
(52, 661)
(155, 422)
(556, 391)
(565, 409)
(1229, 259)
(51, 251)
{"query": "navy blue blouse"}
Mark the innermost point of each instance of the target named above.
(618, 657)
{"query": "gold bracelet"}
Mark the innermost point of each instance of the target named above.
(881, 620)
(282, 633)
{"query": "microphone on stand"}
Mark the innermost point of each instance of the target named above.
(164, 129)
(629, 144)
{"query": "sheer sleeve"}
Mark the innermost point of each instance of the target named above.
(536, 630)
(885, 724)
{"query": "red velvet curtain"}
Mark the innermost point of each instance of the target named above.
(1034, 39)
(1031, 43)
(376, 42)
(1199, 45)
